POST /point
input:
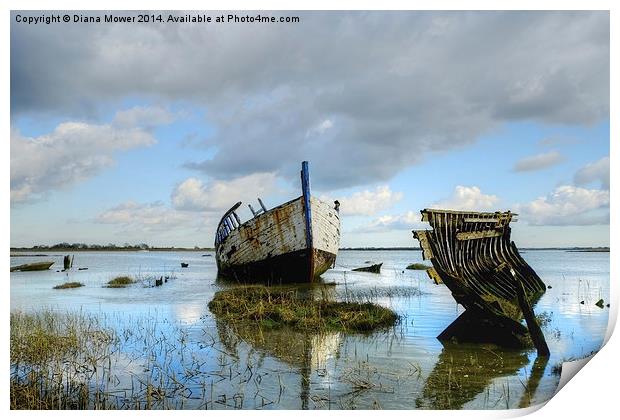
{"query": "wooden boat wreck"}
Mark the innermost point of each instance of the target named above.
(472, 254)
(37, 266)
(292, 243)
(375, 268)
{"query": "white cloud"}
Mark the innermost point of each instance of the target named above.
(568, 205)
(146, 217)
(405, 221)
(194, 195)
(324, 126)
(320, 128)
(537, 162)
(367, 203)
(468, 198)
(71, 153)
(592, 172)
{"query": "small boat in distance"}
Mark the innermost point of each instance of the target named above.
(38, 266)
(294, 242)
(375, 268)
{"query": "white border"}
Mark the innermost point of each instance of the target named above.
(593, 394)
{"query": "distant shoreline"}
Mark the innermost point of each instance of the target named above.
(41, 252)
(567, 249)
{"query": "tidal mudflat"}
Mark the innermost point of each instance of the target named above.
(147, 347)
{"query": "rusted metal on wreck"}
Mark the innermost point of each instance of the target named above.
(294, 242)
(473, 255)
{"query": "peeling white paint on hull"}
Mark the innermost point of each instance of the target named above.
(273, 246)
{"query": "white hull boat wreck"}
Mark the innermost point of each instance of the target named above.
(295, 242)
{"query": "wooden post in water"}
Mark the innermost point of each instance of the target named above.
(532, 325)
(66, 262)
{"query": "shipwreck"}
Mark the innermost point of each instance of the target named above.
(294, 242)
(472, 254)
(36, 266)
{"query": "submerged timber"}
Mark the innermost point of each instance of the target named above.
(293, 243)
(472, 254)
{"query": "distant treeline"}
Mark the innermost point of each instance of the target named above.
(65, 246)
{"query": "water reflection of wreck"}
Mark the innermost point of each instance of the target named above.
(303, 350)
(472, 254)
(462, 372)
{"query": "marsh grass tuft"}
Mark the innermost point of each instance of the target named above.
(119, 282)
(69, 285)
(282, 306)
(52, 357)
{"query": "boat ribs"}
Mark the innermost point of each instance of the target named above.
(474, 257)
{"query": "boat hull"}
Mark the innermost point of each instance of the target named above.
(38, 266)
(278, 247)
(473, 255)
(292, 267)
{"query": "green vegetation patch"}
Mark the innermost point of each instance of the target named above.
(418, 266)
(281, 306)
(36, 338)
(69, 285)
(43, 336)
(122, 281)
(52, 356)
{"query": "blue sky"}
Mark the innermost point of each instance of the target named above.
(148, 134)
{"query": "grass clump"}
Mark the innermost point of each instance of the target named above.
(69, 285)
(121, 281)
(418, 266)
(41, 337)
(277, 307)
(53, 357)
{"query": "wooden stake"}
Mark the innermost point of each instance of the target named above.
(532, 325)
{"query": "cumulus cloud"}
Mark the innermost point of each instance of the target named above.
(216, 195)
(358, 94)
(71, 153)
(367, 202)
(594, 172)
(538, 162)
(568, 205)
(406, 221)
(468, 198)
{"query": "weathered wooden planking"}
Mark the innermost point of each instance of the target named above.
(278, 231)
(432, 274)
(427, 252)
(480, 220)
(473, 255)
(282, 230)
(467, 236)
(325, 226)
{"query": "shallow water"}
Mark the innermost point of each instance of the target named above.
(225, 366)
